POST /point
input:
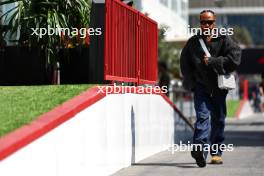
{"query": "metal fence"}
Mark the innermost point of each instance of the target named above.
(130, 45)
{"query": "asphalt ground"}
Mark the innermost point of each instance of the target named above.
(247, 158)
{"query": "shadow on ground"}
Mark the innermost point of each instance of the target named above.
(181, 165)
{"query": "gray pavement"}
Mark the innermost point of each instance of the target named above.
(247, 159)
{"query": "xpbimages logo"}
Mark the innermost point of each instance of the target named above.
(82, 32)
(121, 89)
(213, 149)
(214, 32)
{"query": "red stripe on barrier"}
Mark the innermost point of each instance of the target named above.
(177, 110)
(46, 122)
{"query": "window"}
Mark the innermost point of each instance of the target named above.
(184, 9)
(174, 6)
(164, 2)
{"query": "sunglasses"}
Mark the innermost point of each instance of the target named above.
(204, 22)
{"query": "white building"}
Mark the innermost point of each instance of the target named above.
(172, 13)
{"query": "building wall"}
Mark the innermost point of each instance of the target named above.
(227, 3)
(242, 13)
(171, 13)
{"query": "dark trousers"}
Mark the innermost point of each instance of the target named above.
(206, 106)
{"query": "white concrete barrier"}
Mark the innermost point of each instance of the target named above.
(245, 110)
(109, 135)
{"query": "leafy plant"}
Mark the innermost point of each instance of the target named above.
(28, 14)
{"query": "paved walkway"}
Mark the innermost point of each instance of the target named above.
(247, 159)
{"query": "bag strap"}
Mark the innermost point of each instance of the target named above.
(207, 53)
(204, 47)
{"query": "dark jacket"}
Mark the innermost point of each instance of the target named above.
(225, 58)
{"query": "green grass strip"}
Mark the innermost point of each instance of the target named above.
(232, 106)
(19, 105)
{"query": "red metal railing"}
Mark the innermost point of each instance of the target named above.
(130, 45)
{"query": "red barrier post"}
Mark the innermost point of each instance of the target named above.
(245, 89)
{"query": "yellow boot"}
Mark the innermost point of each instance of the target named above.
(216, 160)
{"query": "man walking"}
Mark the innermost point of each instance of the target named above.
(200, 76)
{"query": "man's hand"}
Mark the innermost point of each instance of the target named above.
(206, 60)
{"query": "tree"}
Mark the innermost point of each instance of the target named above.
(169, 52)
(242, 36)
